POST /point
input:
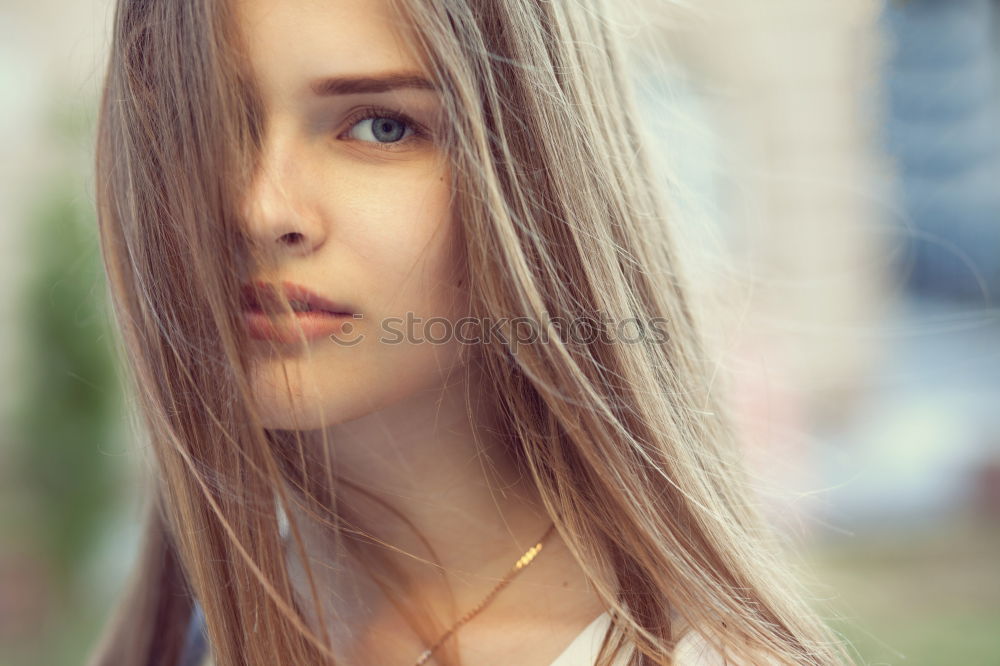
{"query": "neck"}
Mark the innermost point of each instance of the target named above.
(460, 514)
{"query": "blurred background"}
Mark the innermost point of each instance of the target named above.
(836, 167)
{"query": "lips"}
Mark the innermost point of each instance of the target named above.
(313, 316)
(261, 296)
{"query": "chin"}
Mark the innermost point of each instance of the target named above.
(303, 403)
(291, 394)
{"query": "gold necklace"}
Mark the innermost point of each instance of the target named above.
(521, 563)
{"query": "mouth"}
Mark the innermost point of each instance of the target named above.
(312, 316)
(263, 296)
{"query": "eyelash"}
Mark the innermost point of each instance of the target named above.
(372, 112)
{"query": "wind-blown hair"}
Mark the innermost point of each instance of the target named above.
(560, 216)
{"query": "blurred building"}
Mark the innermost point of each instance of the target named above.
(944, 133)
(795, 180)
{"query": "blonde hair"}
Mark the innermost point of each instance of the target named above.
(561, 217)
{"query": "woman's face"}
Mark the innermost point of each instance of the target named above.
(351, 201)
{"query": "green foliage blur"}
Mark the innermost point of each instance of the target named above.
(64, 478)
(920, 596)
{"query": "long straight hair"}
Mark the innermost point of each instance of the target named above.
(561, 217)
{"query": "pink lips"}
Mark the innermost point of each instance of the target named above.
(314, 316)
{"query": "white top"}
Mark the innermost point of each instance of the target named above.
(692, 650)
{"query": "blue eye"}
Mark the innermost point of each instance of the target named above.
(382, 127)
(383, 130)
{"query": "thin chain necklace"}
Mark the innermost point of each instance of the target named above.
(521, 563)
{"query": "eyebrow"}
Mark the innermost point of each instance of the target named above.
(348, 85)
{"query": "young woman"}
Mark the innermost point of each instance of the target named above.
(413, 349)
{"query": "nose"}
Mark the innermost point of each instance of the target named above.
(279, 217)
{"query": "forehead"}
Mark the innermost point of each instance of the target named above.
(292, 42)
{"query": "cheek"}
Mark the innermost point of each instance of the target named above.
(421, 294)
(411, 251)
(425, 294)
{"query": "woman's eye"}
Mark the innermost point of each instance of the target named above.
(380, 129)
